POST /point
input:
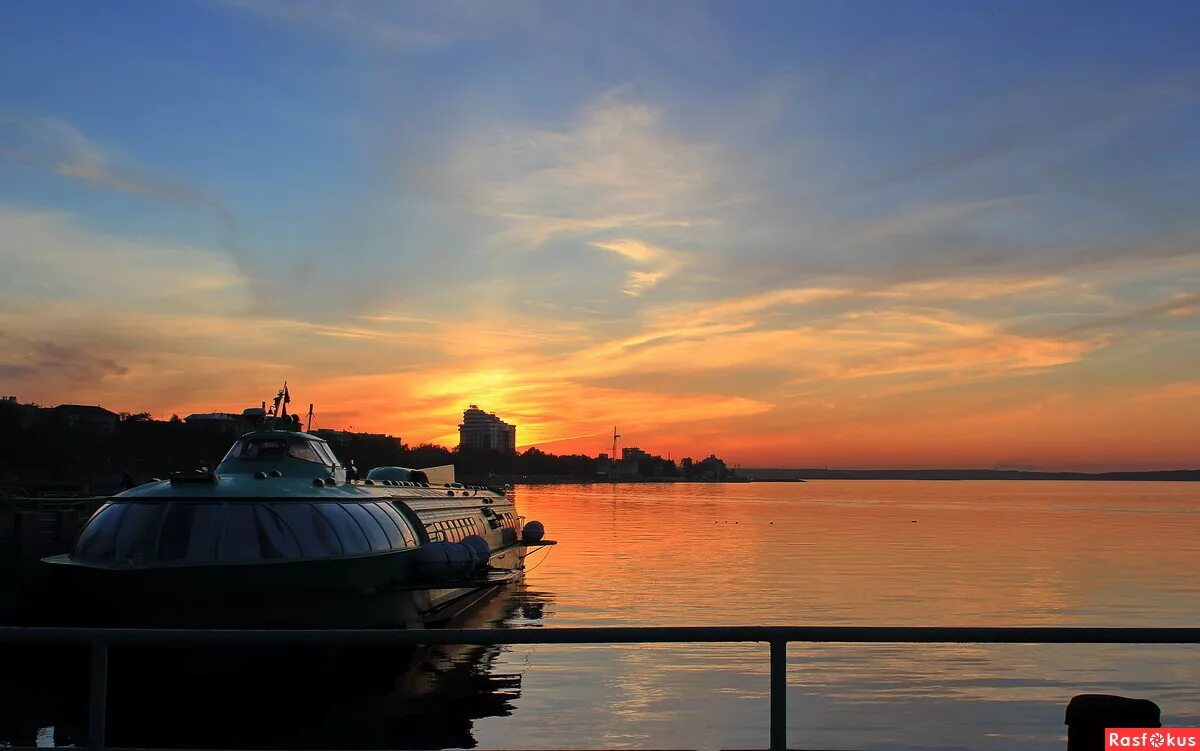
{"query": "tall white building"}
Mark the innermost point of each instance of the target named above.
(483, 430)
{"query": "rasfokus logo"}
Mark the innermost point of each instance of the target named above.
(1119, 738)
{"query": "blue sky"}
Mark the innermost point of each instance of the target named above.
(775, 221)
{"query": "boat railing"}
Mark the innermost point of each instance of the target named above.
(777, 637)
(45, 519)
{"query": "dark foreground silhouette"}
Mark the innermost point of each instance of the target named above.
(283, 697)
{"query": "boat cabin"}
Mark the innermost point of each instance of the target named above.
(278, 450)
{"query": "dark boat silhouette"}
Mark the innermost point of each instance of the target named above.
(277, 536)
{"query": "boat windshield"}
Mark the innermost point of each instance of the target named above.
(305, 450)
(272, 448)
(326, 452)
(207, 529)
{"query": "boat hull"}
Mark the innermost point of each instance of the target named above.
(351, 592)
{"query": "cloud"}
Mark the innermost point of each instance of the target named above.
(1178, 309)
(53, 145)
(615, 168)
(659, 263)
(23, 359)
(868, 368)
(45, 255)
(1031, 119)
(1171, 391)
(57, 147)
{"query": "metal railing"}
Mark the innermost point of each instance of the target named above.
(778, 637)
(34, 521)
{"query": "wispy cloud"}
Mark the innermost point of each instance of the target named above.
(51, 144)
(45, 254)
(656, 264)
(616, 167)
(26, 360)
(1171, 392)
(1033, 118)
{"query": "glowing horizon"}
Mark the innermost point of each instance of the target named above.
(794, 235)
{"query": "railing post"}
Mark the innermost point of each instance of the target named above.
(778, 695)
(98, 697)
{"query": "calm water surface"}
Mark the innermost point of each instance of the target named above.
(827, 553)
(854, 553)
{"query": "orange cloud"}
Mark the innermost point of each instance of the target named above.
(980, 371)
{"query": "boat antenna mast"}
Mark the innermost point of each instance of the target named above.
(279, 407)
(308, 425)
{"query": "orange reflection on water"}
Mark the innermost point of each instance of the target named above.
(856, 553)
(895, 552)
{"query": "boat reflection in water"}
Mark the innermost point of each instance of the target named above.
(279, 697)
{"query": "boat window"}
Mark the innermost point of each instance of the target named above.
(139, 532)
(410, 536)
(239, 537)
(256, 448)
(274, 538)
(315, 535)
(354, 542)
(324, 450)
(234, 451)
(98, 538)
(375, 534)
(189, 532)
(304, 450)
(389, 527)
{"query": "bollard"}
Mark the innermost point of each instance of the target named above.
(27, 533)
(1089, 714)
(66, 525)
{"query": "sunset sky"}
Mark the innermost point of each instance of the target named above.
(854, 234)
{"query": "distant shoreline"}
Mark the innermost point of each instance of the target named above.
(804, 475)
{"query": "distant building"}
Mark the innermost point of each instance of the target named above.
(712, 468)
(86, 417)
(225, 423)
(633, 454)
(630, 465)
(337, 439)
(344, 439)
(484, 431)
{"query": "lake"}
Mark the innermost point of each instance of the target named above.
(906, 553)
(987, 553)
